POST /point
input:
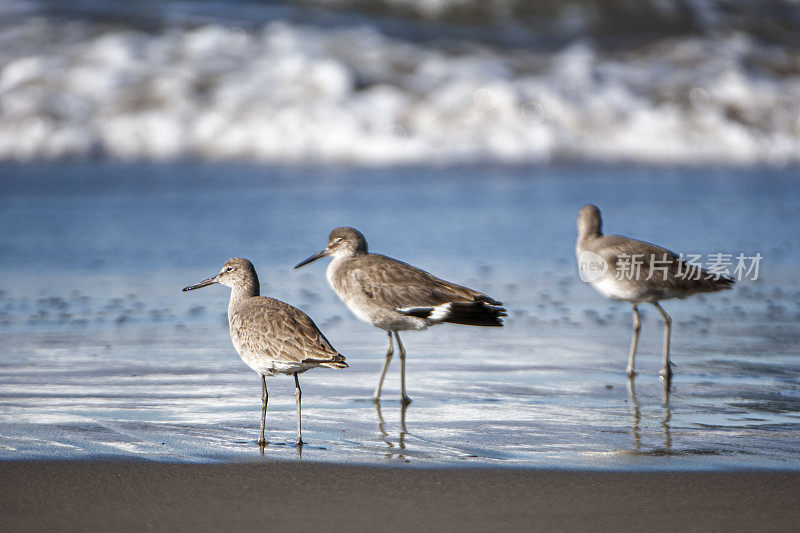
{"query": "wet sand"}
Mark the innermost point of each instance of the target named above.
(281, 495)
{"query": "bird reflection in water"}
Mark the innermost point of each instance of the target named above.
(667, 415)
(636, 412)
(397, 449)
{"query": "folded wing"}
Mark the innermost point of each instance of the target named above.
(414, 292)
(284, 332)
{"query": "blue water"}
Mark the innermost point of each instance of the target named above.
(101, 355)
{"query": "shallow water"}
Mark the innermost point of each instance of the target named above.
(102, 356)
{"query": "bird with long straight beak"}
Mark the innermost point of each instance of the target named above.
(395, 296)
(271, 337)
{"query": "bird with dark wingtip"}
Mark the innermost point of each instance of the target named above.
(271, 337)
(634, 271)
(395, 296)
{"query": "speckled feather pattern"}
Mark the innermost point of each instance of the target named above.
(273, 336)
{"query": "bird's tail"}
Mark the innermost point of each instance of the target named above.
(720, 284)
(337, 361)
(706, 282)
(475, 313)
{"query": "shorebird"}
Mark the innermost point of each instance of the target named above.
(395, 296)
(271, 337)
(638, 272)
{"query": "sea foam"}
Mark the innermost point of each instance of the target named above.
(283, 91)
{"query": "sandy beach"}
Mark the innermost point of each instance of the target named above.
(93, 496)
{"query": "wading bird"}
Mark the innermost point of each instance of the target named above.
(271, 336)
(395, 296)
(638, 272)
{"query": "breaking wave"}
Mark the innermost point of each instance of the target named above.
(304, 84)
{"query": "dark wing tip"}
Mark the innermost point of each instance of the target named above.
(488, 299)
(721, 283)
(478, 313)
(337, 361)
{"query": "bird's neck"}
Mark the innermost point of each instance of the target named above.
(584, 240)
(241, 293)
(586, 234)
(336, 263)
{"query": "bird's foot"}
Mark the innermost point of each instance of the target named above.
(405, 400)
(376, 399)
(299, 442)
(630, 372)
(262, 442)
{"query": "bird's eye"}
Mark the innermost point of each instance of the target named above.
(228, 269)
(337, 240)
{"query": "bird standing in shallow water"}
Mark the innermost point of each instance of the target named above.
(638, 272)
(396, 296)
(271, 336)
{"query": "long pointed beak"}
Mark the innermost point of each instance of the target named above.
(314, 257)
(205, 283)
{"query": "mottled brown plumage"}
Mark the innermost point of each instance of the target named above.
(271, 336)
(271, 332)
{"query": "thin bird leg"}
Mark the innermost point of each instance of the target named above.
(389, 353)
(637, 327)
(298, 394)
(404, 399)
(666, 371)
(264, 397)
(401, 442)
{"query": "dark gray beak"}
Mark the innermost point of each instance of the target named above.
(204, 283)
(314, 257)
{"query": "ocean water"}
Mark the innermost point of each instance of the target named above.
(102, 355)
(379, 82)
